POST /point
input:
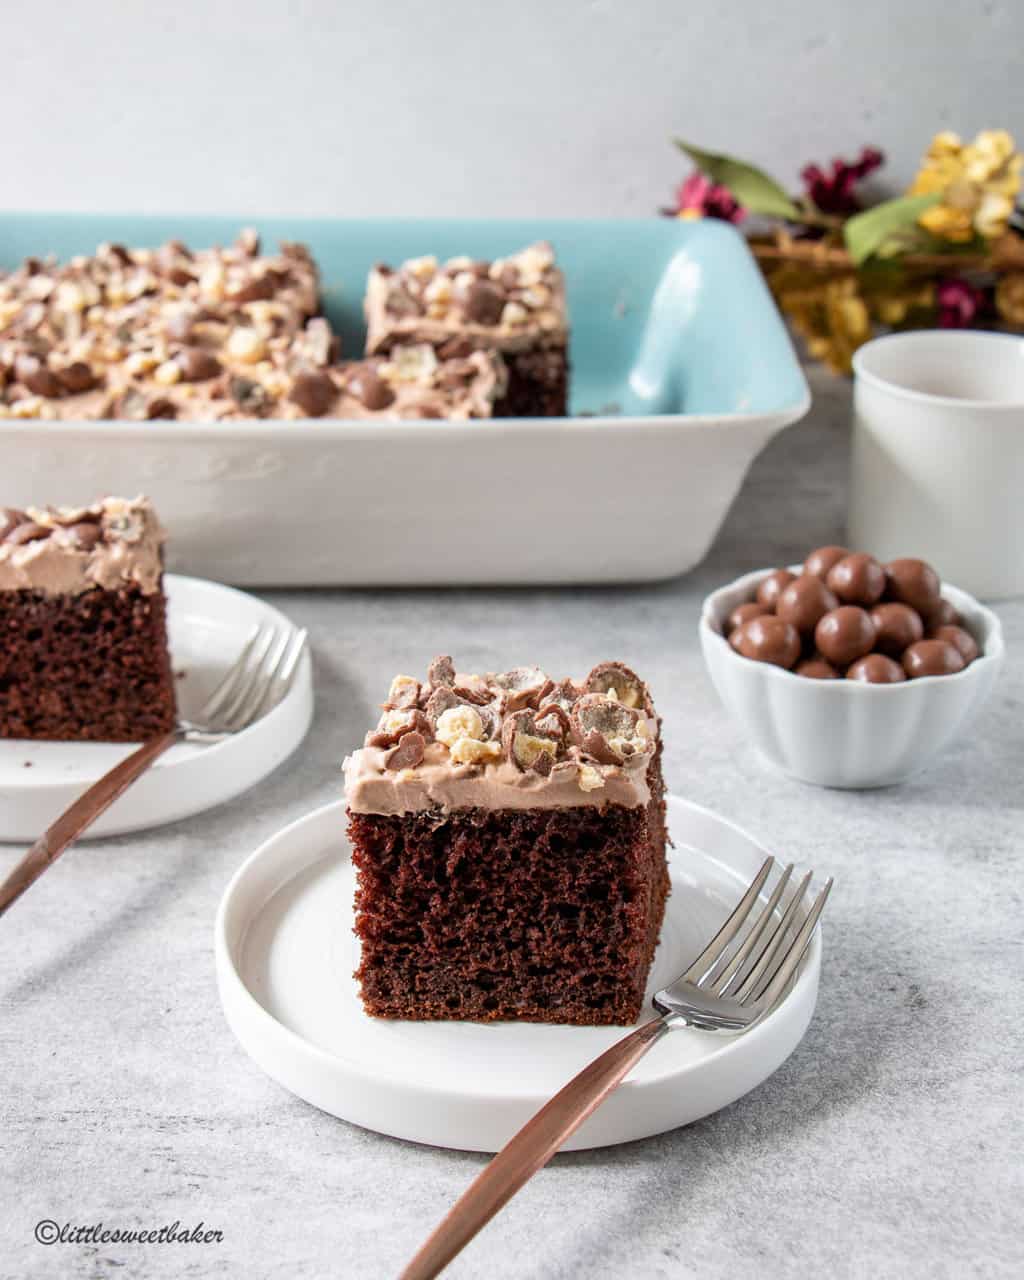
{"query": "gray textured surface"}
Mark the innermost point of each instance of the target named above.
(889, 1144)
(335, 107)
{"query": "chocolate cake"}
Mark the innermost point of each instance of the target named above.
(164, 333)
(83, 635)
(508, 834)
(514, 305)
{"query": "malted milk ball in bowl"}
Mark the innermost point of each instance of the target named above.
(846, 672)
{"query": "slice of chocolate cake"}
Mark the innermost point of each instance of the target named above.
(83, 635)
(509, 839)
(514, 305)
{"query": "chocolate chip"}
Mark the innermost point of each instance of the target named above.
(85, 534)
(197, 365)
(32, 373)
(249, 395)
(409, 752)
(77, 377)
(373, 391)
(456, 348)
(259, 289)
(119, 252)
(484, 303)
(10, 518)
(313, 392)
(179, 276)
(382, 269)
(28, 532)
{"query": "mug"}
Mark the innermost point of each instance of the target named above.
(937, 467)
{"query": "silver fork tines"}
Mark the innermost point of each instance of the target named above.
(252, 686)
(739, 977)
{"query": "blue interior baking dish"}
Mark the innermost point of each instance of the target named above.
(668, 316)
(681, 371)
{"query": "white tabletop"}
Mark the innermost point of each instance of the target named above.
(888, 1145)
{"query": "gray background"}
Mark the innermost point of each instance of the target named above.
(467, 107)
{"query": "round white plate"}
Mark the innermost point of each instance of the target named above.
(207, 626)
(285, 955)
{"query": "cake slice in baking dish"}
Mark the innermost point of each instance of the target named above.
(514, 305)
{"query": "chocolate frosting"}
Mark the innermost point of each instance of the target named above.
(114, 543)
(511, 740)
(511, 304)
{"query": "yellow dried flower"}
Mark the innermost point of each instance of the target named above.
(979, 183)
(893, 306)
(1010, 298)
(831, 316)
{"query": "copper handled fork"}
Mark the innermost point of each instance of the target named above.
(255, 682)
(734, 983)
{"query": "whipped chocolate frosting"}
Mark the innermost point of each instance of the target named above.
(511, 304)
(508, 740)
(114, 543)
(142, 334)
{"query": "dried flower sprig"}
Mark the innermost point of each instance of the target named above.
(950, 251)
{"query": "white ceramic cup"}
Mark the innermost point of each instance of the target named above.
(938, 455)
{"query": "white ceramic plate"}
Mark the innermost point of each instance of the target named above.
(285, 954)
(207, 626)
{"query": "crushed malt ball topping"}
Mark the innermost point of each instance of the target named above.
(464, 304)
(506, 740)
(146, 334)
(113, 543)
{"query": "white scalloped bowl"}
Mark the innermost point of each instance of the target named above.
(841, 733)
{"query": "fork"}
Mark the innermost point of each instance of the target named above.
(729, 988)
(255, 682)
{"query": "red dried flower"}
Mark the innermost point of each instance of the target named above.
(833, 193)
(699, 197)
(959, 303)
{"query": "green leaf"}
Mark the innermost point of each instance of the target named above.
(753, 189)
(866, 232)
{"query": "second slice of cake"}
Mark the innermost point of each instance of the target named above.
(509, 838)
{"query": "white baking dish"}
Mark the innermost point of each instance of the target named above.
(680, 362)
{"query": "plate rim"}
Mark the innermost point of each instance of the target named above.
(36, 787)
(228, 973)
